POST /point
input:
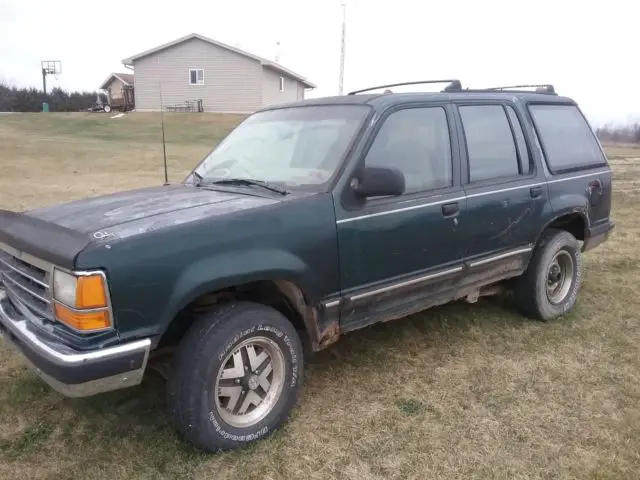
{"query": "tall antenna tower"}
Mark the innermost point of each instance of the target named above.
(342, 47)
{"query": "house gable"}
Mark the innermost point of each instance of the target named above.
(229, 82)
(131, 60)
(119, 78)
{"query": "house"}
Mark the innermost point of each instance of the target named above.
(225, 78)
(119, 88)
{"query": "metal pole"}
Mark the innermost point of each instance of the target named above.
(342, 47)
(164, 148)
(44, 81)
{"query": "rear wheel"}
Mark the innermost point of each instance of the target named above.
(549, 287)
(236, 376)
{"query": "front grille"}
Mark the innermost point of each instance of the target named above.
(26, 284)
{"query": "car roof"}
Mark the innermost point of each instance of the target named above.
(390, 99)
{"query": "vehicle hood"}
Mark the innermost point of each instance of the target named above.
(133, 212)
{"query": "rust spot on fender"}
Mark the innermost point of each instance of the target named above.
(309, 314)
(329, 336)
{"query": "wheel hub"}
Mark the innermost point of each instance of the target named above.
(249, 382)
(253, 382)
(560, 277)
(554, 273)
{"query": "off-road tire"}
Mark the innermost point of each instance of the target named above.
(530, 290)
(200, 356)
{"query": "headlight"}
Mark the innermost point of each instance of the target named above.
(81, 300)
(64, 287)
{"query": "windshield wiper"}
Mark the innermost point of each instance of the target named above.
(246, 181)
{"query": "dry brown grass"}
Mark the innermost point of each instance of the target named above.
(457, 392)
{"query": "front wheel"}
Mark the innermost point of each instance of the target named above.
(237, 374)
(107, 108)
(549, 287)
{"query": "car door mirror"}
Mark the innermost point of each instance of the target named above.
(378, 182)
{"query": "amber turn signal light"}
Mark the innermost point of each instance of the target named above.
(90, 292)
(87, 321)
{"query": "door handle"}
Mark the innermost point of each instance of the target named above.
(449, 209)
(535, 192)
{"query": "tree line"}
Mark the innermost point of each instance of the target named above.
(619, 134)
(14, 99)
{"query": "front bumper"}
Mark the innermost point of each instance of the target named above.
(73, 373)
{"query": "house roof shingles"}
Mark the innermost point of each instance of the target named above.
(263, 61)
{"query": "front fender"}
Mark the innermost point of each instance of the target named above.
(227, 269)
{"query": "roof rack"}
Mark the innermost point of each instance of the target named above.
(454, 86)
(544, 88)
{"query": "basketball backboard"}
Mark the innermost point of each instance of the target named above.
(51, 67)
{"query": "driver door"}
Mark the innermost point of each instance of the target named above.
(399, 253)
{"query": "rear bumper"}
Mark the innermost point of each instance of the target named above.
(597, 235)
(73, 373)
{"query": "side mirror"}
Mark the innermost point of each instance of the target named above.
(378, 182)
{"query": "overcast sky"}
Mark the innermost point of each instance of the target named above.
(587, 48)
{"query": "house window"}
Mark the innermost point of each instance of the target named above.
(282, 84)
(196, 76)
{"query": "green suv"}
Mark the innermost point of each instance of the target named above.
(309, 220)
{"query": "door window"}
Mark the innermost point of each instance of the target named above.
(491, 148)
(415, 141)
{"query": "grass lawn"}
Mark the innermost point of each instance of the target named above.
(462, 391)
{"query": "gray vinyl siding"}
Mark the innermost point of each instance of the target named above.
(232, 82)
(271, 94)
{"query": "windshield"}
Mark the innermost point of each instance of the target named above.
(292, 147)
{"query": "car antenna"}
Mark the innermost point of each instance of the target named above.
(164, 147)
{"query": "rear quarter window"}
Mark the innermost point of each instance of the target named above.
(567, 138)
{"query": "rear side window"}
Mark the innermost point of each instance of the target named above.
(566, 137)
(490, 144)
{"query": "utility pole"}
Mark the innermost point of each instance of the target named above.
(342, 46)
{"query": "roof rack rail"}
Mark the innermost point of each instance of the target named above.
(543, 88)
(454, 86)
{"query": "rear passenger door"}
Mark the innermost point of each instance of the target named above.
(506, 194)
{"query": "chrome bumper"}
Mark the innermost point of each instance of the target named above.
(73, 373)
